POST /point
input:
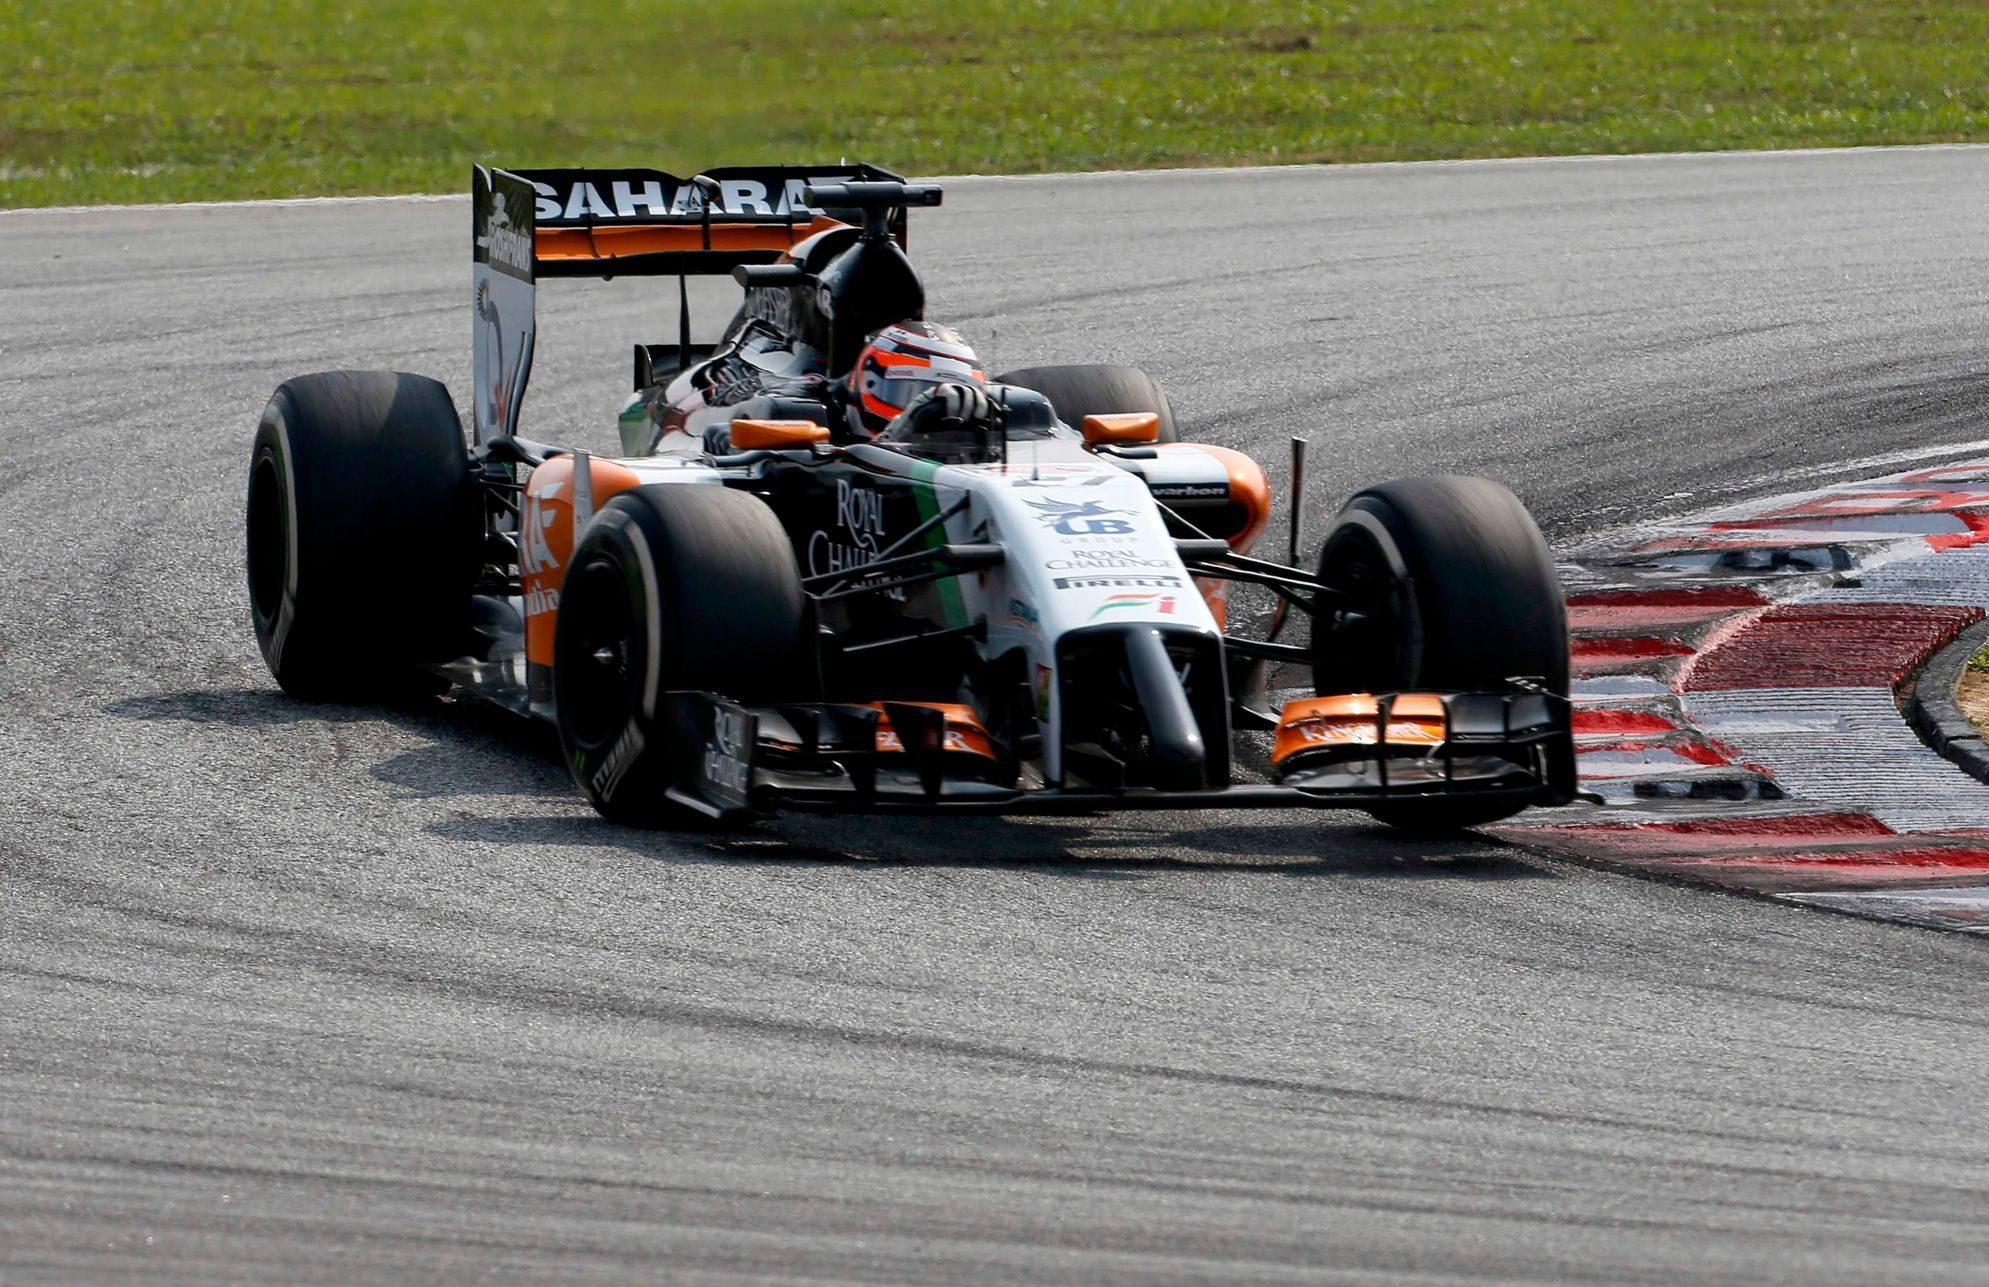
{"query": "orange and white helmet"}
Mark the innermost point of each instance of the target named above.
(902, 361)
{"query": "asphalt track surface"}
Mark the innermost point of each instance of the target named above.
(299, 993)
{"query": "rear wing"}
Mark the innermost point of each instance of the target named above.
(607, 223)
(531, 224)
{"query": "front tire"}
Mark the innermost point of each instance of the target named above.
(362, 542)
(1097, 390)
(674, 588)
(1448, 586)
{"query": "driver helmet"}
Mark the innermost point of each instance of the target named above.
(900, 362)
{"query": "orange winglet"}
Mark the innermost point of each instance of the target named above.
(1415, 721)
(1130, 426)
(754, 435)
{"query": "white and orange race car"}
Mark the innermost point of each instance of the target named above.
(834, 565)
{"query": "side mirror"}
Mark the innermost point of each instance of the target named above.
(776, 435)
(1131, 426)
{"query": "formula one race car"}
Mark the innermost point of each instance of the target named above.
(834, 566)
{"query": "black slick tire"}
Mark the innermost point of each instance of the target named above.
(1080, 391)
(1449, 586)
(363, 534)
(673, 588)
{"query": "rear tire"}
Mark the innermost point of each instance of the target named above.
(363, 534)
(1080, 391)
(1451, 587)
(674, 588)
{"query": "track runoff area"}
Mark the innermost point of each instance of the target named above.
(1741, 675)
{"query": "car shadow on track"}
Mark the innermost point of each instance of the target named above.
(475, 749)
(239, 708)
(1106, 850)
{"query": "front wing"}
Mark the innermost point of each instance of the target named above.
(1498, 747)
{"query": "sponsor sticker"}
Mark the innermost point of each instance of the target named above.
(638, 196)
(725, 770)
(856, 537)
(1101, 560)
(608, 778)
(859, 509)
(505, 246)
(1158, 603)
(888, 740)
(1106, 580)
(1025, 615)
(503, 227)
(535, 553)
(1082, 518)
(1361, 733)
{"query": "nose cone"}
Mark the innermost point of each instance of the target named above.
(1179, 757)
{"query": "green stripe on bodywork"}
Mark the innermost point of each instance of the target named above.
(928, 502)
(634, 424)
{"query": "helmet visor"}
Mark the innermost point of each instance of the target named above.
(889, 381)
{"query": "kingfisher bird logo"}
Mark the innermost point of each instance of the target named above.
(1082, 518)
(1160, 603)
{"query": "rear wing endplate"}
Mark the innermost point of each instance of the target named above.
(502, 276)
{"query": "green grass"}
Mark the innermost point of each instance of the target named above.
(163, 100)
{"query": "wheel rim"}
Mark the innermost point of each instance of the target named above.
(1362, 642)
(601, 654)
(269, 542)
